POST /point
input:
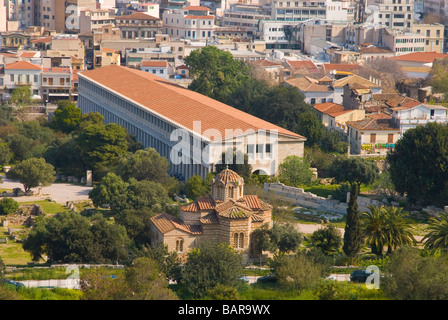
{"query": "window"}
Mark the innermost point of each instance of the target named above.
(390, 138)
(180, 245)
(372, 137)
(313, 101)
(238, 240)
(231, 192)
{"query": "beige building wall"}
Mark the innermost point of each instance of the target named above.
(384, 141)
(433, 36)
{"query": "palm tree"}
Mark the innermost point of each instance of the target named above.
(386, 226)
(437, 237)
(398, 229)
(327, 239)
(374, 229)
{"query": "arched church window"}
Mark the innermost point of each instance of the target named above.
(180, 245)
(235, 240)
(231, 192)
(241, 241)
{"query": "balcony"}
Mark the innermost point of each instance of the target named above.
(422, 121)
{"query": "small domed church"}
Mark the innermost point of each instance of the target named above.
(227, 215)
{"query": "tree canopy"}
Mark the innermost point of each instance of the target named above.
(295, 171)
(215, 72)
(209, 265)
(69, 237)
(418, 165)
(32, 173)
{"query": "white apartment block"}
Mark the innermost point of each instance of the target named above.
(410, 117)
(305, 10)
(279, 34)
(22, 73)
(395, 13)
(193, 22)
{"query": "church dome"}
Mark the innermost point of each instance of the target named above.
(226, 176)
(227, 185)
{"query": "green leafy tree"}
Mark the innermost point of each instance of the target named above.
(438, 77)
(8, 205)
(141, 280)
(5, 153)
(196, 187)
(168, 262)
(64, 154)
(21, 95)
(69, 237)
(355, 171)
(311, 128)
(20, 145)
(209, 265)
(295, 171)
(103, 284)
(296, 272)
(283, 106)
(328, 239)
(216, 73)
(101, 146)
(146, 281)
(411, 276)
(279, 239)
(145, 164)
(110, 187)
(418, 164)
(221, 292)
(32, 173)
(134, 208)
(66, 117)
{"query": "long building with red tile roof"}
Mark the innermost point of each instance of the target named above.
(157, 110)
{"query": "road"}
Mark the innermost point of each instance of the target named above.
(59, 192)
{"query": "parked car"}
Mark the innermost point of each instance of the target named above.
(14, 283)
(270, 278)
(360, 276)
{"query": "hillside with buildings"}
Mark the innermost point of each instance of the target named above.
(308, 137)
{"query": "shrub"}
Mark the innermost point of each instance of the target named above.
(8, 205)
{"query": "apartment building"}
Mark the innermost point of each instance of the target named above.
(305, 10)
(56, 83)
(90, 20)
(159, 68)
(192, 22)
(402, 42)
(434, 36)
(21, 11)
(138, 25)
(22, 73)
(245, 16)
(395, 13)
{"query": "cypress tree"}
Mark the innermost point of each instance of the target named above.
(352, 234)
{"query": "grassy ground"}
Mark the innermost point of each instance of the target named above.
(48, 206)
(12, 252)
